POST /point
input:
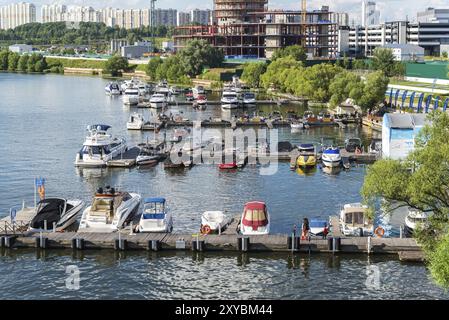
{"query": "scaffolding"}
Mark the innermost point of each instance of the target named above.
(277, 29)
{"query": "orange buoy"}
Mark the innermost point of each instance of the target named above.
(205, 229)
(379, 232)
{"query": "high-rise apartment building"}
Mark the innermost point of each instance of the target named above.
(16, 14)
(202, 17)
(53, 12)
(340, 18)
(183, 19)
(370, 16)
(165, 17)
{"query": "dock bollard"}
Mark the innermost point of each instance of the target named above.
(41, 242)
(8, 241)
(154, 245)
(293, 243)
(243, 244)
(198, 245)
(2, 242)
(330, 243)
(120, 244)
(78, 243)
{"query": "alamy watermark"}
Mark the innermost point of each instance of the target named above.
(373, 277)
(72, 282)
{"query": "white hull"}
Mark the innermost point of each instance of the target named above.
(130, 100)
(97, 160)
(248, 231)
(331, 163)
(123, 214)
(229, 106)
(112, 92)
(158, 104)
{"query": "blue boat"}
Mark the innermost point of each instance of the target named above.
(331, 157)
(155, 216)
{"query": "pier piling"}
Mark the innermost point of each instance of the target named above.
(243, 244)
(154, 245)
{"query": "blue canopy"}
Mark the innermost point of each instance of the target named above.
(154, 200)
(332, 151)
(154, 216)
(318, 223)
(102, 127)
(306, 146)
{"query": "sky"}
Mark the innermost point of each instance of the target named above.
(390, 9)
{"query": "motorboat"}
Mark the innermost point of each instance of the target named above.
(202, 100)
(128, 84)
(155, 216)
(325, 117)
(189, 96)
(135, 122)
(158, 101)
(331, 157)
(213, 222)
(375, 146)
(57, 213)
(354, 220)
(150, 153)
(318, 227)
(174, 91)
(353, 144)
(310, 118)
(99, 147)
(131, 96)
(143, 88)
(296, 126)
(229, 100)
(110, 211)
(226, 166)
(248, 99)
(414, 219)
(198, 91)
(307, 155)
(162, 88)
(113, 89)
(255, 219)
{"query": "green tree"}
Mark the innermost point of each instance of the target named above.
(23, 63)
(4, 59)
(359, 64)
(199, 54)
(383, 60)
(297, 52)
(252, 73)
(444, 54)
(152, 66)
(345, 85)
(374, 90)
(13, 61)
(115, 65)
(425, 188)
(277, 72)
(32, 60)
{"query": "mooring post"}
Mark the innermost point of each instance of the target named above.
(131, 232)
(368, 249)
(54, 227)
(45, 225)
(334, 244)
(219, 229)
(293, 242)
(6, 227)
(400, 231)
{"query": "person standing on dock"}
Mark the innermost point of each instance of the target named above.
(305, 229)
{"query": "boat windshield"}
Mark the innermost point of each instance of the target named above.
(154, 210)
(354, 218)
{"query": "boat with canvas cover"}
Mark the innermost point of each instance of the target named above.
(156, 216)
(58, 211)
(255, 219)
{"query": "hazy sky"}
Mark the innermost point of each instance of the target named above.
(390, 9)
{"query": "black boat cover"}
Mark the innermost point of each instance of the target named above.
(285, 146)
(50, 210)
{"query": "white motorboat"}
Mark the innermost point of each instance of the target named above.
(162, 88)
(56, 212)
(158, 101)
(198, 91)
(175, 91)
(255, 219)
(155, 217)
(131, 96)
(112, 89)
(99, 147)
(248, 99)
(331, 157)
(129, 84)
(414, 219)
(150, 153)
(135, 122)
(229, 100)
(296, 126)
(110, 211)
(143, 88)
(354, 221)
(213, 222)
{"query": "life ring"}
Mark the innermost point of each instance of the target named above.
(205, 229)
(379, 232)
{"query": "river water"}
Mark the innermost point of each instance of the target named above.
(42, 127)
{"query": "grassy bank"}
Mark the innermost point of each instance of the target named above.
(77, 63)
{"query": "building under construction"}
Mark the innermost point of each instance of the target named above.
(248, 29)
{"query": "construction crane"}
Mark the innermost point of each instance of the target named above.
(152, 23)
(304, 23)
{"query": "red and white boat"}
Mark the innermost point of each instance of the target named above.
(224, 166)
(255, 219)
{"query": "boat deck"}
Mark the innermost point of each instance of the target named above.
(125, 160)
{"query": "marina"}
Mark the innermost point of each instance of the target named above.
(286, 193)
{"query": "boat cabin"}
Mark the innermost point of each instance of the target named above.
(354, 215)
(255, 215)
(154, 208)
